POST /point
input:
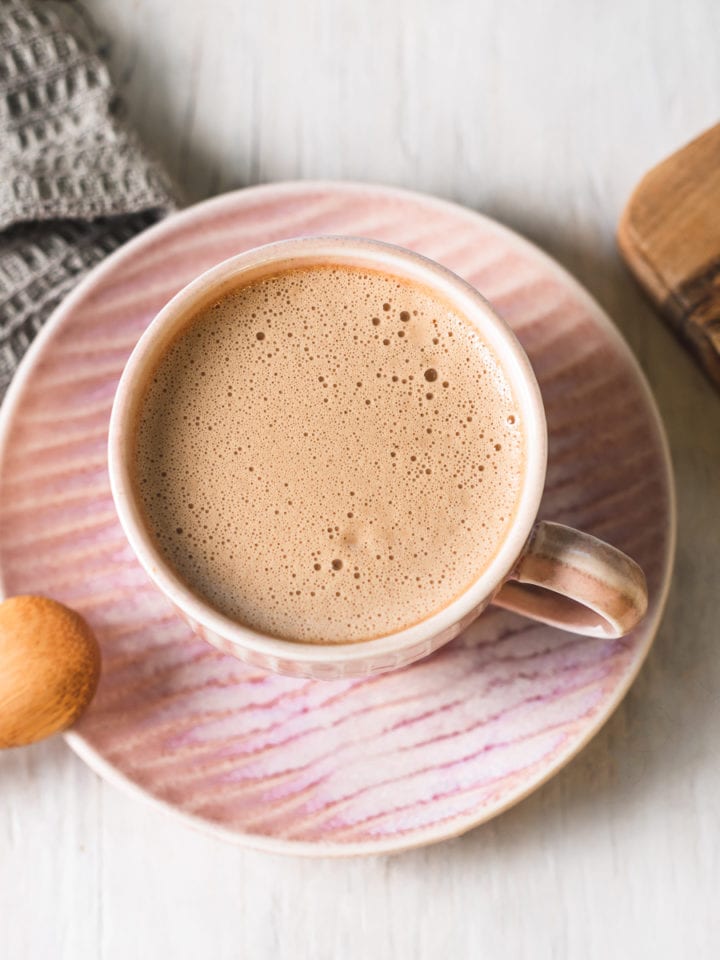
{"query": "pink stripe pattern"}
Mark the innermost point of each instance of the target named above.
(351, 765)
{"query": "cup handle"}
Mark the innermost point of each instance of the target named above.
(574, 581)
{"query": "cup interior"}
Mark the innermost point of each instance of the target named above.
(253, 265)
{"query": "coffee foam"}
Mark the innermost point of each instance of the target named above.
(329, 454)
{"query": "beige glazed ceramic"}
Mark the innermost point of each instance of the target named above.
(547, 571)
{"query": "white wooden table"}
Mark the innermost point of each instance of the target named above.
(543, 115)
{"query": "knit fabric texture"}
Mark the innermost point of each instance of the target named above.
(74, 181)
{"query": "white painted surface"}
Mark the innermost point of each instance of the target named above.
(543, 115)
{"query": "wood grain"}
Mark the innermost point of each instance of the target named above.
(545, 116)
(670, 237)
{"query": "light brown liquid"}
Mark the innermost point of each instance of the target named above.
(329, 454)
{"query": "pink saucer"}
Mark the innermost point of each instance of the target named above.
(352, 766)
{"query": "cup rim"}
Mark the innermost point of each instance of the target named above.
(358, 251)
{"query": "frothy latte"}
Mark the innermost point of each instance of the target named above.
(329, 454)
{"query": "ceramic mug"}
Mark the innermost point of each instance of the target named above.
(542, 570)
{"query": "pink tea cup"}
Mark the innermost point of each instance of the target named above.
(543, 570)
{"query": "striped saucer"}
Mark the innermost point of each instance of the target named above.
(349, 766)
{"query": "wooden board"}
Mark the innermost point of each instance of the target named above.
(670, 237)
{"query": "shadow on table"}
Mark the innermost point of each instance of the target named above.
(664, 732)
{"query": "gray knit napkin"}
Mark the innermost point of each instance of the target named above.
(74, 181)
